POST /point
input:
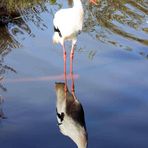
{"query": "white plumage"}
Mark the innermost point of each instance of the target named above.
(68, 23)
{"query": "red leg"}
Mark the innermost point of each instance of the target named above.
(65, 74)
(71, 59)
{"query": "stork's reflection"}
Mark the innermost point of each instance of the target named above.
(70, 113)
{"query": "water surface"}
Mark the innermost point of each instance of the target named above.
(110, 68)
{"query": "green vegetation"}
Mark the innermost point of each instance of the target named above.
(11, 6)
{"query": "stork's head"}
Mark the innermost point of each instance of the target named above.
(82, 139)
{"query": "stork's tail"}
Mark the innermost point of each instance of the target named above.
(55, 38)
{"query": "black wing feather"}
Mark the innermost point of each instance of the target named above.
(57, 30)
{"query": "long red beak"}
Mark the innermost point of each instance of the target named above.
(93, 1)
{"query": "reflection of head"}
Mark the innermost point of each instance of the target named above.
(70, 116)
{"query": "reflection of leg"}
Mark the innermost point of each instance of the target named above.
(65, 75)
(72, 85)
(71, 68)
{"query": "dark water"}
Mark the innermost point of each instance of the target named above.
(110, 68)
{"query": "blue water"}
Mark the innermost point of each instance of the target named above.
(112, 86)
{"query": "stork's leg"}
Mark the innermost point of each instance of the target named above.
(72, 54)
(65, 75)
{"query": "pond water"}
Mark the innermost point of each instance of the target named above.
(110, 75)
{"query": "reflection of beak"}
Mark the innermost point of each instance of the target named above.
(93, 1)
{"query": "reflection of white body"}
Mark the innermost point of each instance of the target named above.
(70, 116)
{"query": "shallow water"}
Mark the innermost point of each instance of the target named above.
(110, 71)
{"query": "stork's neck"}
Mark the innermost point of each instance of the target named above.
(77, 3)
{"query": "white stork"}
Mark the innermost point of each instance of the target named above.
(67, 25)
